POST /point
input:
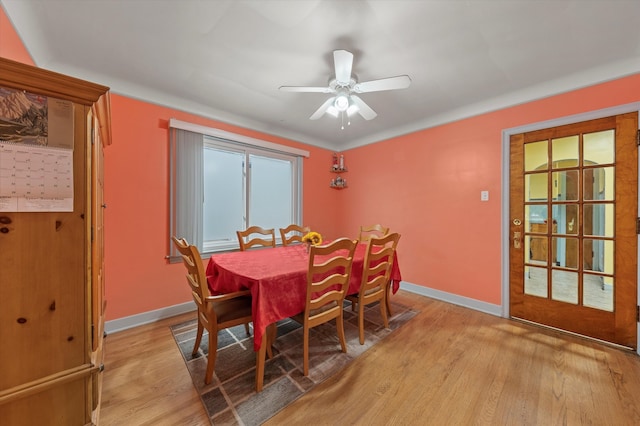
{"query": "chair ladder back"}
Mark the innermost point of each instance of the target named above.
(378, 262)
(247, 239)
(196, 277)
(328, 278)
(293, 233)
(331, 288)
(376, 230)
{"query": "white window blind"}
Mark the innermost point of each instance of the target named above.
(221, 185)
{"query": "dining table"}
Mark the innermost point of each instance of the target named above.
(277, 279)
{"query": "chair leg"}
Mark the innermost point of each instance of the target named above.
(361, 321)
(246, 328)
(196, 345)
(383, 311)
(387, 298)
(305, 351)
(211, 357)
(340, 325)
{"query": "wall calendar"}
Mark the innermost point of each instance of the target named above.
(36, 152)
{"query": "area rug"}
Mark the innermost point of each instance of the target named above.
(231, 399)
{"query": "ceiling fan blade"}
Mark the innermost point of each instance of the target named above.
(323, 108)
(365, 110)
(343, 61)
(391, 83)
(306, 89)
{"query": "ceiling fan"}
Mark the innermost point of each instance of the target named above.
(344, 88)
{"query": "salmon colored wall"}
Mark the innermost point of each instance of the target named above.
(11, 46)
(427, 185)
(138, 277)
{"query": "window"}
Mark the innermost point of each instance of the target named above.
(221, 183)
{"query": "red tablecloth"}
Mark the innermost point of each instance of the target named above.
(277, 278)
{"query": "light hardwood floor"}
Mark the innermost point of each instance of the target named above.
(448, 366)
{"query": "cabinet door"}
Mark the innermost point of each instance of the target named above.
(97, 243)
(43, 308)
(59, 405)
(97, 271)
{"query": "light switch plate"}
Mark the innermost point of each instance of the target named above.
(484, 195)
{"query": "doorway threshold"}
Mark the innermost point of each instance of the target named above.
(580, 336)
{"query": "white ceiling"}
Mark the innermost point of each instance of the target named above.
(225, 59)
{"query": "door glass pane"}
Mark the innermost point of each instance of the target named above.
(598, 220)
(598, 183)
(271, 196)
(598, 256)
(564, 286)
(536, 187)
(598, 292)
(535, 218)
(565, 151)
(565, 252)
(535, 281)
(565, 185)
(599, 147)
(565, 219)
(535, 156)
(223, 180)
(537, 250)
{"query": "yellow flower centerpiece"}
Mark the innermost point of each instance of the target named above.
(312, 239)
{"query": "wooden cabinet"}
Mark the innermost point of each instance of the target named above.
(52, 274)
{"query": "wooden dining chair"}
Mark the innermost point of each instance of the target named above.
(327, 284)
(256, 236)
(293, 233)
(376, 230)
(215, 313)
(376, 278)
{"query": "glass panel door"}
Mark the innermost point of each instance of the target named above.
(565, 255)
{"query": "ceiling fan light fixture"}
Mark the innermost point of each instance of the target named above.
(333, 111)
(353, 108)
(342, 102)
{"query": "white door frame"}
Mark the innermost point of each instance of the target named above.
(505, 221)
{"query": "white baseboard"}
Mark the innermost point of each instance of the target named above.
(125, 323)
(466, 302)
